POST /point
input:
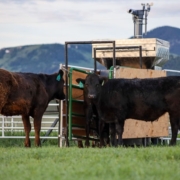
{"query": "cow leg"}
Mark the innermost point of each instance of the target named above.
(120, 129)
(88, 123)
(106, 134)
(101, 127)
(80, 144)
(174, 129)
(112, 133)
(27, 129)
(89, 114)
(97, 124)
(37, 128)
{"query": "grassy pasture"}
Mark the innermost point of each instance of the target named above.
(51, 162)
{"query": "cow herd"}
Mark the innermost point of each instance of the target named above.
(112, 101)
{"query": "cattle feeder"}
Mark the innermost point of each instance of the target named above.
(155, 53)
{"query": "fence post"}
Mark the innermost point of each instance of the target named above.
(3, 126)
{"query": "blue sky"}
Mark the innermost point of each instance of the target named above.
(26, 22)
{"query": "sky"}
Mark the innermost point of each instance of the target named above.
(29, 22)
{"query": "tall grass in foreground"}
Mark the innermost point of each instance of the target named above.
(51, 162)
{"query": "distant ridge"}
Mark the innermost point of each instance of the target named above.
(45, 58)
(168, 33)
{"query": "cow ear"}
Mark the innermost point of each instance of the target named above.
(103, 80)
(61, 73)
(81, 82)
(78, 80)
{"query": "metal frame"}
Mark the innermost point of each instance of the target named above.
(71, 99)
(95, 69)
(69, 89)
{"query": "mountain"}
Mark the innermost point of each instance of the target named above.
(45, 58)
(172, 35)
(167, 33)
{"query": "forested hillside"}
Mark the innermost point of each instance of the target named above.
(167, 33)
(45, 58)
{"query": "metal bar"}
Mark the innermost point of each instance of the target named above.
(70, 86)
(170, 70)
(61, 124)
(31, 137)
(19, 117)
(60, 119)
(66, 103)
(20, 121)
(140, 56)
(12, 124)
(114, 58)
(82, 137)
(3, 127)
(70, 100)
(22, 127)
(79, 70)
(88, 42)
(84, 68)
(54, 104)
(95, 64)
(70, 106)
(111, 70)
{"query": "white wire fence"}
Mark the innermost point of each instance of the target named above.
(12, 126)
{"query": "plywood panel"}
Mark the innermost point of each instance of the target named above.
(77, 107)
(138, 129)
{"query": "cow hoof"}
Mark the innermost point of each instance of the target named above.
(87, 144)
(27, 145)
(172, 144)
(80, 144)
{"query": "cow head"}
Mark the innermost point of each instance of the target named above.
(92, 85)
(60, 85)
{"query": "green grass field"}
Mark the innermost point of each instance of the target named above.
(50, 162)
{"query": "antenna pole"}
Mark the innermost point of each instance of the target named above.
(138, 17)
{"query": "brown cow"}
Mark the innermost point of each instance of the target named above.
(28, 94)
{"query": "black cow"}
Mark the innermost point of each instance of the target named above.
(90, 102)
(28, 94)
(142, 99)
